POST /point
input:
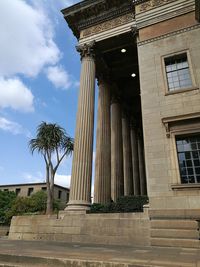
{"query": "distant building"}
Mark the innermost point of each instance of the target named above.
(23, 190)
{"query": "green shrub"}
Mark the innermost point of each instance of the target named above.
(6, 201)
(123, 204)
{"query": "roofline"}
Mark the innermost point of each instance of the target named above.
(78, 6)
(77, 18)
(31, 184)
(86, 3)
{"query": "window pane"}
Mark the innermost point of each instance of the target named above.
(197, 170)
(191, 179)
(198, 179)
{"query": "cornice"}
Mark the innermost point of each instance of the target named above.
(89, 13)
(168, 121)
(169, 35)
(164, 10)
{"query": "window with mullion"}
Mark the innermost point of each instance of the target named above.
(178, 73)
(188, 149)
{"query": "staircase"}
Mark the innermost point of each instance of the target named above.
(177, 232)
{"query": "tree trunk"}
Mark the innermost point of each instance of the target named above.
(49, 209)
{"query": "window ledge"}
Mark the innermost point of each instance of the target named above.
(178, 91)
(185, 186)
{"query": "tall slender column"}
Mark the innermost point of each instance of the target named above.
(127, 160)
(80, 189)
(143, 188)
(102, 184)
(117, 181)
(135, 162)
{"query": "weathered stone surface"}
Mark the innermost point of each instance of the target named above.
(111, 229)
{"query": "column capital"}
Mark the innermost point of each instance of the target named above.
(134, 31)
(86, 50)
(115, 97)
(133, 124)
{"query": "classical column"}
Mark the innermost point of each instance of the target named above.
(135, 161)
(117, 180)
(143, 188)
(127, 159)
(80, 189)
(102, 183)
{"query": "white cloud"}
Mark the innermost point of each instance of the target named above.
(59, 77)
(63, 180)
(14, 94)
(34, 178)
(27, 43)
(13, 127)
(60, 179)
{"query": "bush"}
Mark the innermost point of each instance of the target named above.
(123, 204)
(6, 201)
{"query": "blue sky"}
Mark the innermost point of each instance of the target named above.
(39, 81)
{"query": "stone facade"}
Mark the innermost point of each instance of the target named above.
(146, 54)
(112, 229)
(23, 190)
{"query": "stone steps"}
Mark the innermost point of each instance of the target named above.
(174, 224)
(175, 233)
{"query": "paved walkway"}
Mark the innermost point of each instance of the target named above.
(44, 253)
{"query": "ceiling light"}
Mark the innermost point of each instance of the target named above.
(123, 50)
(133, 75)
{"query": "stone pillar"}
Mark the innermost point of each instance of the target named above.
(80, 189)
(117, 180)
(143, 188)
(102, 183)
(127, 157)
(135, 161)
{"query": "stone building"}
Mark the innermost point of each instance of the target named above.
(24, 190)
(145, 55)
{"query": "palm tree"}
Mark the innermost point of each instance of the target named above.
(51, 139)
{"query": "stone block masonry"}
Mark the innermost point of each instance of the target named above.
(129, 229)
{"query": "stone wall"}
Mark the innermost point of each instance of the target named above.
(157, 104)
(111, 229)
(4, 230)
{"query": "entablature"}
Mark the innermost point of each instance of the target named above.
(90, 13)
(154, 11)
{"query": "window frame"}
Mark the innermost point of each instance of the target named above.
(177, 183)
(193, 167)
(191, 71)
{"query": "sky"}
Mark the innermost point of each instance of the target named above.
(39, 81)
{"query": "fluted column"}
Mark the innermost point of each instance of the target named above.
(102, 184)
(117, 180)
(127, 159)
(80, 189)
(135, 160)
(143, 188)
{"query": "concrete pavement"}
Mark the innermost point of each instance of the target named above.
(44, 253)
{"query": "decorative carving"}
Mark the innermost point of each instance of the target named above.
(107, 25)
(152, 4)
(86, 50)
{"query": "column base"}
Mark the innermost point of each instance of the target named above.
(78, 206)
